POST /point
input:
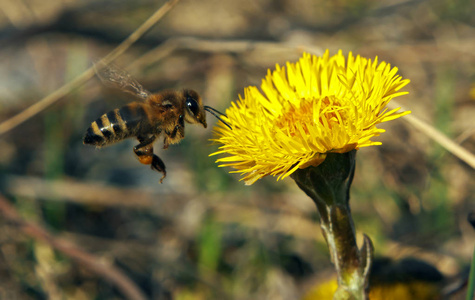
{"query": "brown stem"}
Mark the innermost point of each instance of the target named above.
(351, 265)
(341, 230)
(109, 273)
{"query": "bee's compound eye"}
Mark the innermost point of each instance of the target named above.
(192, 105)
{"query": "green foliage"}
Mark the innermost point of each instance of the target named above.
(210, 247)
(471, 279)
(444, 99)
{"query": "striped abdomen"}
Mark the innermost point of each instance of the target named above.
(117, 125)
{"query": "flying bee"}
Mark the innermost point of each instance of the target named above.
(163, 113)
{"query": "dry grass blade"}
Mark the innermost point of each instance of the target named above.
(39, 106)
(439, 137)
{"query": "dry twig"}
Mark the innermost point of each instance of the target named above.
(295, 223)
(109, 273)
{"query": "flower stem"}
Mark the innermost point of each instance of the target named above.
(328, 185)
(339, 233)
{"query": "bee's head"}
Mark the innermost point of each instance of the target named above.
(194, 110)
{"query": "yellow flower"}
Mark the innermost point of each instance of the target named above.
(310, 108)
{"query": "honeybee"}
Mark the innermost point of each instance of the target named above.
(163, 113)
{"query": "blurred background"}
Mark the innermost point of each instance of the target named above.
(203, 234)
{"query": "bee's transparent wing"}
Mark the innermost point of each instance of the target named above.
(113, 76)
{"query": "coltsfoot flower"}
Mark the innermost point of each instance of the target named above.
(307, 109)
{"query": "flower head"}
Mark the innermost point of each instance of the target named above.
(307, 109)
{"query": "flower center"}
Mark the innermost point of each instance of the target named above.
(328, 112)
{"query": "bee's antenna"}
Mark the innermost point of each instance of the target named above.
(215, 110)
(215, 113)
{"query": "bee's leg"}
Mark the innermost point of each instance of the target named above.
(178, 130)
(144, 152)
(159, 165)
(166, 141)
